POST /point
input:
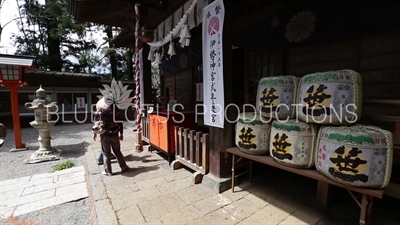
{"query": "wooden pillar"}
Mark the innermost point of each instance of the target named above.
(146, 89)
(16, 121)
(221, 139)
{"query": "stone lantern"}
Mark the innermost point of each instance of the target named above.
(41, 107)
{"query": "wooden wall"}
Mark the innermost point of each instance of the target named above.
(322, 57)
(168, 83)
(376, 57)
(184, 89)
(180, 88)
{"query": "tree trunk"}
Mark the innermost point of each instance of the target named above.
(113, 59)
(129, 55)
(55, 61)
(53, 45)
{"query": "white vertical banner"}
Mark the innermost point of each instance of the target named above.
(141, 78)
(213, 80)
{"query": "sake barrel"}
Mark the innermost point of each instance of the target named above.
(333, 97)
(292, 143)
(358, 155)
(252, 133)
(276, 96)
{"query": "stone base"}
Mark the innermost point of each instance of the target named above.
(138, 141)
(40, 156)
(18, 149)
(219, 185)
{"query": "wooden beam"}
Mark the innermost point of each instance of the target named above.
(382, 118)
(125, 13)
(381, 101)
(255, 16)
(160, 16)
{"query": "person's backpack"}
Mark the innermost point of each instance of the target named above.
(99, 127)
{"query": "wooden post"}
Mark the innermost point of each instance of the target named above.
(204, 157)
(185, 143)
(221, 139)
(176, 129)
(146, 89)
(16, 122)
(181, 142)
(323, 193)
(198, 149)
(192, 150)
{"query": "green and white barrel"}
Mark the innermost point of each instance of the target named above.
(276, 96)
(357, 155)
(333, 97)
(252, 133)
(292, 143)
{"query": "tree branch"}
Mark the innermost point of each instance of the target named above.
(22, 23)
(101, 46)
(11, 21)
(1, 3)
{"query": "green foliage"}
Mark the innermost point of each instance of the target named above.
(65, 165)
(155, 77)
(48, 32)
(121, 62)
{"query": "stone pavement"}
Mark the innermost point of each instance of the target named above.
(27, 194)
(153, 193)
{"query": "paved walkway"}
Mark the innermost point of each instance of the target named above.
(153, 193)
(27, 194)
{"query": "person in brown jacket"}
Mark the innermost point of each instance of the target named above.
(110, 139)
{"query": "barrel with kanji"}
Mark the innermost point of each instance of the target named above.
(357, 155)
(252, 133)
(333, 97)
(292, 143)
(276, 96)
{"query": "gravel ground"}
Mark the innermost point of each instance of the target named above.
(72, 140)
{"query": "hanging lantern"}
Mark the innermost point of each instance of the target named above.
(147, 34)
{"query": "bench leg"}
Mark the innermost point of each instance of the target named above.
(251, 171)
(366, 208)
(323, 193)
(233, 172)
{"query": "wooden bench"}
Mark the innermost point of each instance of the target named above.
(393, 190)
(367, 195)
